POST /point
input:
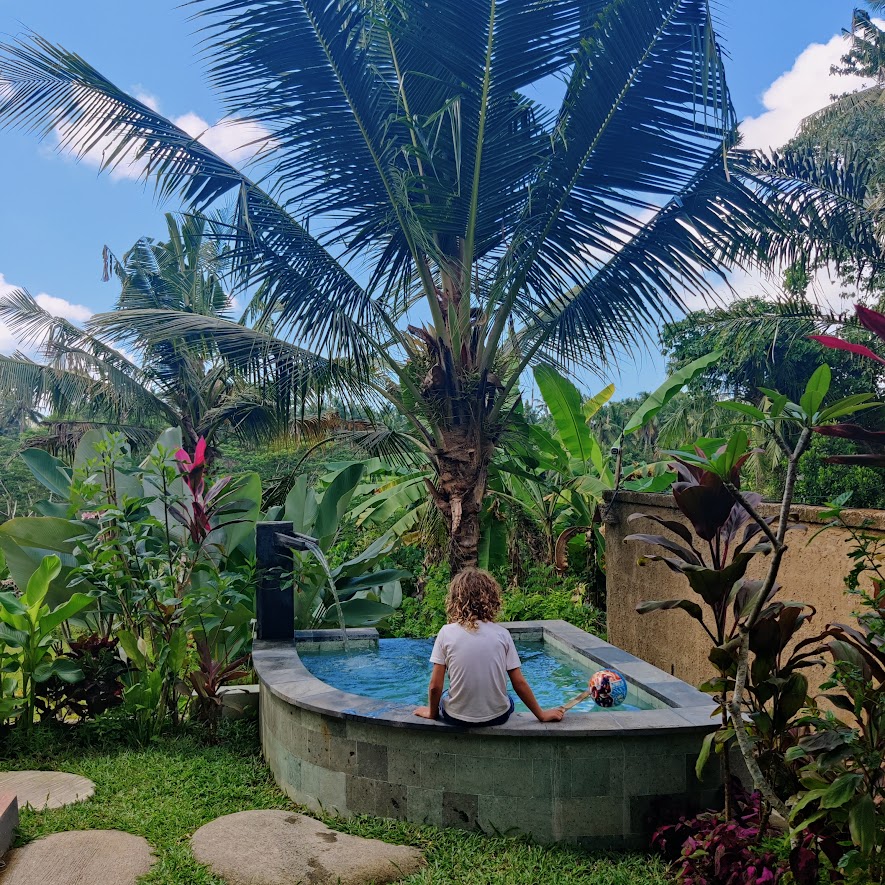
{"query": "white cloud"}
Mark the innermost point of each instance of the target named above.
(826, 290)
(7, 340)
(147, 98)
(236, 140)
(798, 92)
(60, 307)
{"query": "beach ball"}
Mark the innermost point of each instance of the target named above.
(608, 688)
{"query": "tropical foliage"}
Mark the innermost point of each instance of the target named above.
(109, 375)
(509, 231)
(416, 233)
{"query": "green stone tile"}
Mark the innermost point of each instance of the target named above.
(653, 775)
(391, 800)
(543, 783)
(425, 806)
(361, 795)
(586, 777)
(403, 767)
(371, 760)
(590, 817)
(290, 771)
(521, 817)
(459, 810)
(328, 788)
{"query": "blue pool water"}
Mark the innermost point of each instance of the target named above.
(399, 670)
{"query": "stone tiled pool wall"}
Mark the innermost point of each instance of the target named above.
(594, 779)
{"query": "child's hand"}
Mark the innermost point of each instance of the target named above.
(553, 715)
(424, 713)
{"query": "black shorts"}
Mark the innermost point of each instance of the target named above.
(451, 720)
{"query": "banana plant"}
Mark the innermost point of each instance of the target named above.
(568, 470)
(355, 592)
(28, 630)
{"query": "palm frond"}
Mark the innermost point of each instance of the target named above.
(48, 89)
(61, 437)
(67, 392)
(759, 212)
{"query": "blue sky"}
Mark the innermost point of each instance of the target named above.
(56, 215)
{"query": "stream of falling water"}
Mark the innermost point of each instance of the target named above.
(324, 563)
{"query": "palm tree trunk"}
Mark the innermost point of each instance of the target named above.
(462, 468)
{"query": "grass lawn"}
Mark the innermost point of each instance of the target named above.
(168, 790)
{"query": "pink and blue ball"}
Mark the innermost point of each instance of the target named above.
(608, 688)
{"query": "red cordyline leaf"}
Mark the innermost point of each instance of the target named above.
(871, 319)
(839, 344)
(183, 458)
(859, 460)
(200, 452)
(851, 431)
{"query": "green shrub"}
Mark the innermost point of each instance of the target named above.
(421, 617)
(544, 595)
(18, 488)
(819, 482)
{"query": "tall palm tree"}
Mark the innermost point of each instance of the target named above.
(87, 379)
(459, 229)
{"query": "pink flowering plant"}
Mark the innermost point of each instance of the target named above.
(162, 548)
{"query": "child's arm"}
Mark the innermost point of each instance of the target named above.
(527, 696)
(434, 693)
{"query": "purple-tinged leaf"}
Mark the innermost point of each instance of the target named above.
(851, 431)
(660, 541)
(840, 344)
(692, 608)
(860, 460)
(871, 319)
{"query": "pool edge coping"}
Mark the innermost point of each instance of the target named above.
(280, 669)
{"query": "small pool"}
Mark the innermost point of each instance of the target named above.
(399, 670)
(338, 731)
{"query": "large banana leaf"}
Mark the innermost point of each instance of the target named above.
(242, 507)
(48, 470)
(563, 400)
(368, 559)
(301, 506)
(26, 540)
(657, 400)
(335, 501)
(492, 542)
(358, 613)
(374, 581)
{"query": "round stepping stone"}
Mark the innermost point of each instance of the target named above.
(77, 857)
(46, 789)
(280, 848)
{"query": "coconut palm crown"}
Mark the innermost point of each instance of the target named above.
(420, 216)
(88, 380)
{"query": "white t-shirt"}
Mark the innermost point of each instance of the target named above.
(477, 662)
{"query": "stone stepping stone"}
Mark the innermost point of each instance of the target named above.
(45, 789)
(79, 857)
(282, 848)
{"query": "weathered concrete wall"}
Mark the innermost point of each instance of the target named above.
(813, 571)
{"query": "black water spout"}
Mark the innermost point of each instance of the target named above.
(293, 540)
(274, 607)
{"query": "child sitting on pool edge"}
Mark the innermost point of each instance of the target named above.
(479, 656)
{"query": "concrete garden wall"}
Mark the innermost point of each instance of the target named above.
(813, 571)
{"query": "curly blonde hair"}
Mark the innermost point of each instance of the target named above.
(474, 595)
